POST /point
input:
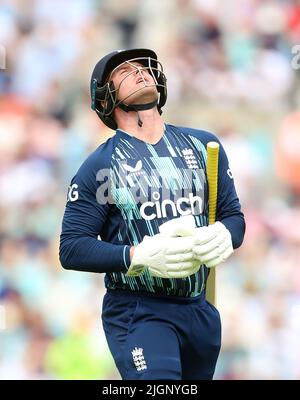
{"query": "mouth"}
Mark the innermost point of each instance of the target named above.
(141, 80)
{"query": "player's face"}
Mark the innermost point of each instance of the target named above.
(134, 83)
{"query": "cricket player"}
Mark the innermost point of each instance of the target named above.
(137, 210)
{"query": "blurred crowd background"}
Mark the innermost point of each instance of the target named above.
(232, 68)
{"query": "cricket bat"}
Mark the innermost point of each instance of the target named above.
(212, 177)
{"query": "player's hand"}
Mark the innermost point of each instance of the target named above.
(212, 244)
(183, 226)
(165, 257)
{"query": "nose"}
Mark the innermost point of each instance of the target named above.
(139, 69)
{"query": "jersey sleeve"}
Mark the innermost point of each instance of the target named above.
(84, 218)
(228, 204)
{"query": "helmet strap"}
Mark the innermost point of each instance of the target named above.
(137, 108)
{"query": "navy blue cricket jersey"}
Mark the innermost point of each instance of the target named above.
(126, 188)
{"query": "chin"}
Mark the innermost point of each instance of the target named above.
(144, 96)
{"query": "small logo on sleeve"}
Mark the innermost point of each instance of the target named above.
(229, 173)
(73, 193)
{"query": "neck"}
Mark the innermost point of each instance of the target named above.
(152, 129)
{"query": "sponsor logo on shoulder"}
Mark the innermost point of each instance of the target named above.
(137, 167)
(133, 170)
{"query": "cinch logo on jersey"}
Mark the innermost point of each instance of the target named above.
(155, 209)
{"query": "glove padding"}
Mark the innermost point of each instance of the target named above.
(212, 244)
(165, 257)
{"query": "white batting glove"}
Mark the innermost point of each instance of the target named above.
(165, 257)
(212, 244)
(183, 226)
